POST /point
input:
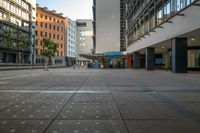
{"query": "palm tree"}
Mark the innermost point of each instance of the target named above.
(50, 49)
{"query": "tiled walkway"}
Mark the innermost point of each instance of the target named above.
(99, 101)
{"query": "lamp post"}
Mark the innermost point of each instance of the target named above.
(33, 52)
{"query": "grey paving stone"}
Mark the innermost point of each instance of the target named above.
(23, 126)
(13, 96)
(194, 107)
(183, 96)
(162, 126)
(50, 91)
(7, 87)
(130, 97)
(90, 111)
(94, 88)
(83, 126)
(32, 110)
(170, 87)
(63, 88)
(125, 88)
(148, 111)
(52, 96)
(95, 97)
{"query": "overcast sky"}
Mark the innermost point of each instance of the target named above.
(74, 9)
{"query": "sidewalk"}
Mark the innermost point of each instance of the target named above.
(6, 67)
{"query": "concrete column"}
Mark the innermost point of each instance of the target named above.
(179, 55)
(150, 59)
(136, 60)
(1, 56)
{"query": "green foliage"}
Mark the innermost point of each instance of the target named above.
(7, 33)
(50, 48)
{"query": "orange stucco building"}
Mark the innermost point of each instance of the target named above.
(51, 25)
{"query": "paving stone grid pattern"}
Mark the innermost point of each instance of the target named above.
(99, 101)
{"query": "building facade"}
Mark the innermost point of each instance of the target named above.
(17, 30)
(109, 25)
(71, 43)
(164, 34)
(50, 25)
(84, 40)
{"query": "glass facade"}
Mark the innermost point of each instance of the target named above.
(152, 17)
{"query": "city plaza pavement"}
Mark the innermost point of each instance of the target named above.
(99, 101)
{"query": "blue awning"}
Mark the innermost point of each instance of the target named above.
(113, 54)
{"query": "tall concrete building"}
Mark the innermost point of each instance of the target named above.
(17, 30)
(50, 24)
(71, 43)
(164, 34)
(109, 25)
(84, 40)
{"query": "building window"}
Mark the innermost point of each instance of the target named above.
(36, 42)
(41, 15)
(49, 26)
(45, 25)
(45, 17)
(58, 37)
(159, 17)
(58, 28)
(41, 33)
(41, 43)
(41, 24)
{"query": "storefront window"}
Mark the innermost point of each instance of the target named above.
(193, 58)
(197, 59)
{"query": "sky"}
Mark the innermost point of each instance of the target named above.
(74, 9)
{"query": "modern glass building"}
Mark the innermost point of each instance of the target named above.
(17, 30)
(164, 32)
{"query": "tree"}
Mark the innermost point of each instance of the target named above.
(22, 42)
(50, 49)
(8, 42)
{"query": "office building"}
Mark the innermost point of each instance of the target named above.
(50, 24)
(71, 43)
(164, 34)
(17, 30)
(109, 25)
(84, 40)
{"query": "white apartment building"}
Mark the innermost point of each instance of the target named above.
(71, 43)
